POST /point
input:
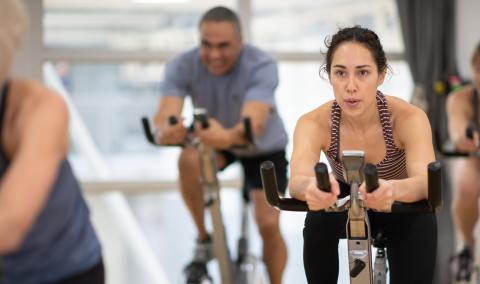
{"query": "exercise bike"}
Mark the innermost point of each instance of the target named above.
(359, 238)
(448, 150)
(246, 268)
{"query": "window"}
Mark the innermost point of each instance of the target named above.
(169, 25)
(302, 25)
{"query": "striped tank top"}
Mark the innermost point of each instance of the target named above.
(393, 166)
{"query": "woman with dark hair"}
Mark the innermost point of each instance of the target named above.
(463, 110)
(394, 135)
(45, 232)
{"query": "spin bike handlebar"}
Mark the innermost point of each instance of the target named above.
(431, 204)
(448, 149)
(172, 120)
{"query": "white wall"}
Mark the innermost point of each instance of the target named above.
(468, 33)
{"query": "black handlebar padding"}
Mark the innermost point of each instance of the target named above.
(411, 207)
(371, 177)
(147, 130)
(435, 185)
(172, 120)
(469, 131)
(321, 174)
(433, 202)
(149, 135)
(269, 181)
(247, 124)
(203, 119)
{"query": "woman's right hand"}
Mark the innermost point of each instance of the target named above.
(318, 199)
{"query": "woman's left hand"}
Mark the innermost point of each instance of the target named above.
(382, 198)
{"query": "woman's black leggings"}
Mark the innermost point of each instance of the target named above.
(411, 245)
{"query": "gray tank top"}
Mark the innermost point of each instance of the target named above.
(62, 241)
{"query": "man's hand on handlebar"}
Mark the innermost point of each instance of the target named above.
(171, 132)
(466, 144)
(317, 199)
(215, 135)
(381, 199)
(468, 141)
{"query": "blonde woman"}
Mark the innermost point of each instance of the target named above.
(45, 232)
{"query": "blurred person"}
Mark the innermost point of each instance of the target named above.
(231, 80)
(45, 232)
(463, 111)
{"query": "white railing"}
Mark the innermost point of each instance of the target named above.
(142, 187)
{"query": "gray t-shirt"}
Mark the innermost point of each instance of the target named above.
(253, 78)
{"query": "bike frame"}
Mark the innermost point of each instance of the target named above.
(358, 227)
(243, 270)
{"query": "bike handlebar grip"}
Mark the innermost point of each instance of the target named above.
(469, 131)
(200, 115)
(247, 124)
(172, 120)
(204, 122)
(147, 130)
(371, 177)
(269, 181)
(321, 175)
(202, 118)
(435, 185)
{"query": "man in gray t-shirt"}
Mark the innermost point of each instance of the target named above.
(231, 80)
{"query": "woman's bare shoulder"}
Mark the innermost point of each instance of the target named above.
(30, 93)
(319, 116)
(30, 101)
(314, 126)
(400, 108)
(405, 117)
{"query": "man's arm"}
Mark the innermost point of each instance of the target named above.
(460, 112)
(258, 113)
(259, 100)
(42, 143)
(166, 133)
(173, 89)
(169, 106)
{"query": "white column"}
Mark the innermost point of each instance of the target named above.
(28, 63)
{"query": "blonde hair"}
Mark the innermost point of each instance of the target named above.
(13, 24)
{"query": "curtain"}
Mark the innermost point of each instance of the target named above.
(429, 35)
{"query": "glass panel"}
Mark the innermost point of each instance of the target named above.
(158, 25)
(302, 25)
